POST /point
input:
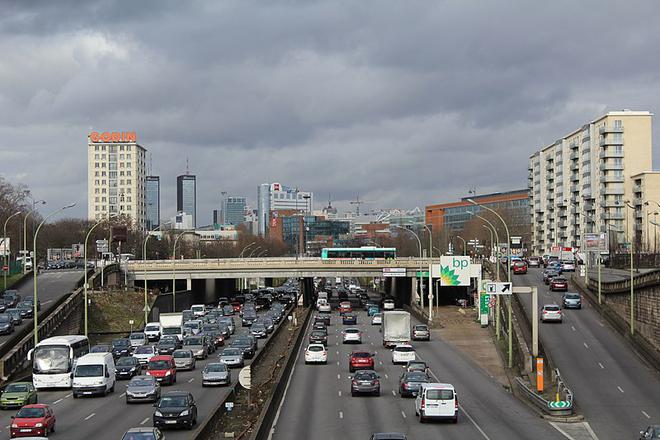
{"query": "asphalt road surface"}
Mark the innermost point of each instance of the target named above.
(318, 402)
(615, 390)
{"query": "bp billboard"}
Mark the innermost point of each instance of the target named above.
(453, 271)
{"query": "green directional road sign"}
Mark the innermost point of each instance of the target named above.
(422, 274)
(483, 303)
(561, 404)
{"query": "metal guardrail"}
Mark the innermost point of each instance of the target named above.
(553, 408)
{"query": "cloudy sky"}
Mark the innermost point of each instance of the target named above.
(404, 102)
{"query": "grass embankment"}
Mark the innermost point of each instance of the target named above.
(11, 279)
(112, 311)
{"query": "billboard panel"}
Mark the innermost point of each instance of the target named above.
(595, 242)
(452, 271)
(5, 248)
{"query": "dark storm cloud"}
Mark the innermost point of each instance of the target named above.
(405, 103)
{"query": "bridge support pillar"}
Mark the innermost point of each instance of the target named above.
(307, 291)
(189, 284)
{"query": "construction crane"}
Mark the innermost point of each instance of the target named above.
(357, 202)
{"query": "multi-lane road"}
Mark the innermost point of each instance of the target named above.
(616, 391)
(51, 286)
(318, 402)
(107, 418)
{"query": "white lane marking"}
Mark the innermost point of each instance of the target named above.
(90, 416)
(564, 433)
(57, 401)
(403, 414)
(620, 389)
(372, 343)
(122, 395)
(573, 328)
(386, 377)
(646, 415)
(144, 421)
(601, 324)
(338, 376)
(191, 379)
(601, 366)
(339, 393)
(337, 352)
(394, 393)
(380, 362)
(337, 362)
(68, 395)
(341, 415)
(46, 302)
(585, 345)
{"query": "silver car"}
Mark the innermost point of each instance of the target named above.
(216, 373)
(142, 389)
(184, 359)
(232, 357)
(198, 345)
(421, 333)
(572, 300)
(137, 339)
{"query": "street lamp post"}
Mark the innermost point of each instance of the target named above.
(464, 244)
(253, 251)
(4, 248)
(85, 287)
(420, 285)
(34, 271)
(176, 240)
(632, 276)
(34, 203)
(430, 275)
(144, 257)
(245, 248)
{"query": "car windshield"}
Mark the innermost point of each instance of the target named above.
(16, 388)
(361, 354)
(167, 342)
(159, 365)
(173, 401)
(559, 280)
(572, 296)
(435, 394)
(231, 352)
(364, 375)
(126, 361)
(552, 308)
(181, 354)
(417, 377)
(99, 349)
(152, 328)
(193, 341)
(318, 334)
(258, 326)
(352, 330)
(171, 330)
(31, 413)
(89, 370)
(315, 348)
(421, 328)
(404, 349)
(4, 319)
(141, 382)
(145, 349)
(121, 343)
(216, 368)
(51, 359)
(137, 336)
(139, 436)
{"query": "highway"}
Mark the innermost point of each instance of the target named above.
(616, 391)
(109, 417)
(51, 285)
(318, 402)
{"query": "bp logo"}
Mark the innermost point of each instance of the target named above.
(454, 271)
(448, 277)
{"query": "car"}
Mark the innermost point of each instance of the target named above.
(388, 436)
(162, 368)
(26, 309)
(558, 283)
(352, 335)
(228, 310)
(568, 266)
(232, 357)
(17, 394)
(143, 434)
(410, 383)
(377, 319)
(360, 360)
(534, 262)
(144, 352)
(554, 264)
(258, 330)
(551, 312)
(33, 420)
(137, 339)
(421, 332)
(402, 353)
(153, 331)
(549, 274)
(520, 267)
(237, 306)
(416, 365)
(175, 408)
(229, 322)
(167, 345)
(101, 348)
(365, 382)
(318, 337)
(316, 353)
(388, 304)
(349, 319)
(345, 307)
(121, 347)
(6, 324)
(216, 373)
(323, 306)
(650, 433)
(436, 401)
(268, 323)
(320, 326)
(142, 389)
(246, 346)
(127, 367)
(249, 316)
(15, 314)
(324, 319)
(197, 344)
(373, 309)
(571, 300)
(184, 359)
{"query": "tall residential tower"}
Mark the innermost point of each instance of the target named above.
(186, 196)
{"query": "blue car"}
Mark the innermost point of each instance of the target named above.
(349, 319)
(373, 310)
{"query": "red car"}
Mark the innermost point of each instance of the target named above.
(345, 307)
(32, 421)
(236, 306)
(162, 368)
(559, 283)
(361, 360)
(519, 267)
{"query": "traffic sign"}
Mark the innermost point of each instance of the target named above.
(5, 268)
(422, 274)
(146, 308)
(245, 377)
(499, 288)
(559, 404)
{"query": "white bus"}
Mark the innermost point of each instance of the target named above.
(53, 360)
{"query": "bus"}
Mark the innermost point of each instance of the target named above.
(53, 360)
(361, 253)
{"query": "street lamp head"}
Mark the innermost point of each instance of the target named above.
(69, 206)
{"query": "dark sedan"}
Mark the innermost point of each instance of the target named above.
(121, 347)
(318, 337)
(174, 409)
(410, 383)
(349, 319)
(127, 367)
(365, 382)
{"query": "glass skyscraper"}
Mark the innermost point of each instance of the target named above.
(233, 210)
(152, 191)
(186, 196)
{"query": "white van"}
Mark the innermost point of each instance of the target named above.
(198, 310)
(153, 331)
(436, 401)
(94, 374)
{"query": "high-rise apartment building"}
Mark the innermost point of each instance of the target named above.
(233, 210)
(263, 208)
(591, 181)
(152, 190)
(186, 196)
(116, 173)
(277, 197)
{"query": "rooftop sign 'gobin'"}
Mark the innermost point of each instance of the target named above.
(113, 136)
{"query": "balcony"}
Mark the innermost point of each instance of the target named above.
(611, 179)
(610, 140)
(562, 224)
(613, 216)
(611, 166)
(612, 190)
(575, 166)
(574, 145)
(637, 201)
(609, 152)
(589, 206)
(574, 155)
(575, 188)
(611, 204)
(637, 188)
(575, 177)
(610, 129)
(549, 167)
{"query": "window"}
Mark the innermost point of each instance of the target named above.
(128, 164)
(96, 148)
(102, 147)
(113, 148)
(128, 156)
(96, 164)
(102, 173)
(128, 173)
(96, 174)
(96, 156)
(128, 181)
(96, 182)
(128, 207)
(121, 156)
(102, 164)
(618, 123)
(103, 156)
(96, 190)
(128, 148)
(121, 181)
(96, 208)
(103, 191)
(96, 199)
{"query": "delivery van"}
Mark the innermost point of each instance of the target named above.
(94, 374)
(436, 401)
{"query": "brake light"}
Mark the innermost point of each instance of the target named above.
(376, 382)
(405, 385)
(354, 382)
(423, 405)
(455, 402)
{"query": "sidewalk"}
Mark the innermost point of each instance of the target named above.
(459, 329)
(608, 275)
